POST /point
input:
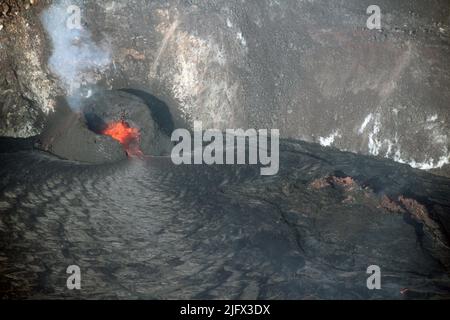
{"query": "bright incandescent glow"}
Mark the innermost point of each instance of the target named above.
(127, 136)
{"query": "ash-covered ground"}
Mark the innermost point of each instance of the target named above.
(149, 229)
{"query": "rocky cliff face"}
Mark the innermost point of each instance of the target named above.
(310, 68)
(26, 88)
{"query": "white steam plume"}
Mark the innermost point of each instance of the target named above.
(75, 59)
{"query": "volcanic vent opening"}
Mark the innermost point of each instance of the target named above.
(128, 136)
(109, 126)
(139, 125)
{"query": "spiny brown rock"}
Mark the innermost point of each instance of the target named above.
(390, 205)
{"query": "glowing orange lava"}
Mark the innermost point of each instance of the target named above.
(127, 136)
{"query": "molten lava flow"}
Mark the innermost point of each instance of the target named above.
(128, 136)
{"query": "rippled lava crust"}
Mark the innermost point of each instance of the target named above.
(149, 229)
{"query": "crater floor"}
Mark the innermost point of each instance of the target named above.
(149, 229)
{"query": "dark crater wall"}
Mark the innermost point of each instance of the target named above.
(311, 69)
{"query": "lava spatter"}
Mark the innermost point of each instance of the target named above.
(128, 137)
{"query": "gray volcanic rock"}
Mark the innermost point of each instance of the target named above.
(310, 68)
(27, 89)
(68, 136)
